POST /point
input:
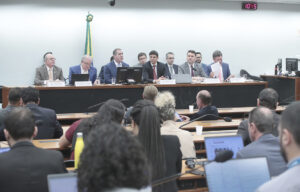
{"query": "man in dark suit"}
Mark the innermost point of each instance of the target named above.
(25, 167)
(110, 69)
(154, 71)
(45, 119)
(224, 67)
(84, 68)
(171, 68)
(205, 108)
(14, 100)
(268, 97)
(48, 71)
(264, 144)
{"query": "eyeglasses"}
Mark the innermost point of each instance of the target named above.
(171, 58)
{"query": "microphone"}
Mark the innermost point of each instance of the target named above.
(101, 103)
(194, 69)
(223, 156)
(244, 72)
(112, 2)
(227, 119)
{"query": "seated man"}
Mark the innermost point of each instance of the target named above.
(153, 71)
(224, 71)
(171, 68)
(110, 69)
(14, 100)
(264, 144)
(84, 68)
(202, 65)
(191, 67)
(268, 97)
(290, 148)
(206, 110)
(25, 167)
(45, 119)
(165, 102)
(142, 58)
(48, 71)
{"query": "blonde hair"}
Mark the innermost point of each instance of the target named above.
(150, 92)
(165, 102)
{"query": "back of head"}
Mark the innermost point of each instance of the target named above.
(20, 123)
(150, 92)
(268, 97)
(15, 95)
(30, 94)
(205, 97)
(111, 111)
(262, 117)
(116, 160)
(165, 102)
(290, 120)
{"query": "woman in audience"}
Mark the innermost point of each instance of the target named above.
(116, 162)
(165, 102)
(163, 152)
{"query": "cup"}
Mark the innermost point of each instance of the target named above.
(199, 130)
(97, 82)
(191, 108)
(113, 80)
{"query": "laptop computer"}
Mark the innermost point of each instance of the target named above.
(182, 78)
(4, 149)
(214, 145)
(65, 182)
(237, 175)
(79, 77)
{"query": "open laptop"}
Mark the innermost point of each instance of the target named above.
(182, 78)
(237, 175)
(214, 145)
(4, 149)
(65, 182)
(79, 77)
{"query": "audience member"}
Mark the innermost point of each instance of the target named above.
(268, 97)
(84, 68)
(202, 65)
(14, 100)
(45, 119)
(142, 58)
(163, 152)
(171, 68)
(208, 111)
(153, 71)
(116, 162)
(289, 133)
(48, 71)
(110, 69)
(263, 142)
(165, 102)
(224, 71)
(191, 67)
(25, 167)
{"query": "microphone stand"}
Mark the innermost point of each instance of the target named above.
(227, 119)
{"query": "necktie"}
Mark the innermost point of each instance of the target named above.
(50, 74)
(154, 73)
(171, 70)
(220, 74)
(192, 71)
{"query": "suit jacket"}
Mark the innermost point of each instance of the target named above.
(101, 74)
(243, 128)
(148, 71)
(205, 68)
(185, 69)
(110, 71)
(225, 69)
(77, 70)
(175, 69)
(204, 111)
(41, 74)
(266, 146)
(25, 168)
(3, 114)
(48, 126)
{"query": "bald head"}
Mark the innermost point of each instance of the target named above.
(203, 98)
(262, 119)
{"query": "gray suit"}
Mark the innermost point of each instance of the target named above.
(185, 69)
(266, 146)
(41, 74)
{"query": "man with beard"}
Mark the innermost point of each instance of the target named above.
(289, 133)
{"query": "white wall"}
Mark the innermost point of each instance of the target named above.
(252, 40)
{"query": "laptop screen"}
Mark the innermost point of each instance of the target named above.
(65, 182)
(4, 149)
(214, 145)
(237, 175)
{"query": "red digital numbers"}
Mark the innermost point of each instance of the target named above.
(249, 5)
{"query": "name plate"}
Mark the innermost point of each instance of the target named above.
(237, 80)
(56, 83)
(167, 82)
(82, 83)
(211, 80)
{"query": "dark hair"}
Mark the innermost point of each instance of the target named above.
(268, 97)
(191, 51)
(14, 95)
(290, 120)
(262, 117)
(198, 53)
(146, 116)
(20, 123)
(153, 52)
(141, 54)
(205, 98)
(44, 56)
(169, 53)
(112, 158)
(111, 59)
(115, 51)
(217, 53)
(30, 94)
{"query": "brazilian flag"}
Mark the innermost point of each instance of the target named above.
(88, 40)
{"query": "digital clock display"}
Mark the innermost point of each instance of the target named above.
(249, 5)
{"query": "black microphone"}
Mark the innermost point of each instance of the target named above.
(223, 156)
(194, 69)
(227, 119)
(112, 2)
(101, 103)
(244, 72)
